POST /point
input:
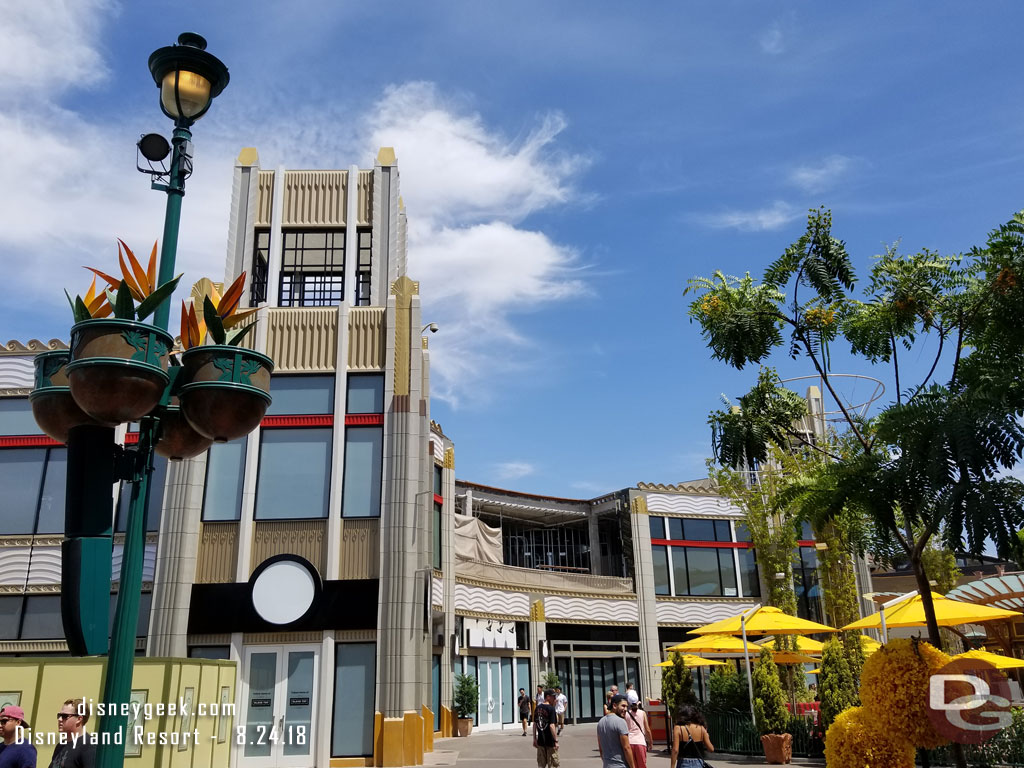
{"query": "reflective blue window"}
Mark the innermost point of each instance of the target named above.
(294, 475)
(225, 470)
(365, 393)
(363, 457)
(301, 395)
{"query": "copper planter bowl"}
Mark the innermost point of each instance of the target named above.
(53, 407)
(177, 438)
(226, 390)
(118, 368)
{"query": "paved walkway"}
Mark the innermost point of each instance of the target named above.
(577, 749)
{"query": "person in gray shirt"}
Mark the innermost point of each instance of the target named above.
(613, 736)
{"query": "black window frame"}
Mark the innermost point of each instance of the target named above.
(260, 269)
(328, 286)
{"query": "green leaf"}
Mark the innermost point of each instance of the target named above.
(78, 309)
(124, 304)
(235, 338)
(156, 298)
(214, 325)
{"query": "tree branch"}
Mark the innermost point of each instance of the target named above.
(793, 433)
(896, 365)
(828, 384)
(942, 340)
(959, 349)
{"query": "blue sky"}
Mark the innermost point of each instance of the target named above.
(566, 168)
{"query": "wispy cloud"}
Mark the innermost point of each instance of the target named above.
(822, 175)
(772, 217)
(772, 40)
(513, 470)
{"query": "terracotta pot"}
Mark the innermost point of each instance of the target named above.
(225, 390)
(118, 368)
(778, 748)
(53, 407)
(177, 438)
(465, 726)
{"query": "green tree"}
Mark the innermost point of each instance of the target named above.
(770, 713)
(727, 690)
(466, 695)
(677, 686)
(931, 462)
(837, 685)
(550, 680)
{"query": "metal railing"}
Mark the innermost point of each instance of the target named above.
(733, 732)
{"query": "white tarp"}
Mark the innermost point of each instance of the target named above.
(476, 541)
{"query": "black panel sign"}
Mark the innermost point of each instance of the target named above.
(298, 701)
(259, 702)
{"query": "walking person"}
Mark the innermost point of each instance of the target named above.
(561, 706)
(640, 741)
(613, 736)
(525, 709)
(76, 752)
(545, 739)
(17, 750)
(689, 734)
(613, 691)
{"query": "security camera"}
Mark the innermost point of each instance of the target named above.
(432, 326)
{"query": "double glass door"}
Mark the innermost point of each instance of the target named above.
(496, 692)
(279, 706)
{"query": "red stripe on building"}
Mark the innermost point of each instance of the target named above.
(27, 441)
(364, 420)
(705, 544)
(131, 438)
(327, 420)
(438, 499)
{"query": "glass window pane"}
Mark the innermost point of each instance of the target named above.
(51, 503)
(508, 700)
(675, 528)
(679, 580)
(10, 616)
(722, 532)
(435, 690)
(437, 481)
(365, 393)
(298, 702)
(699, 530)
(21, 473)
(299, 395)
(657, 527)
(225, 469)
(806, 532)
(660, 556)
(748, 573)
(157, 482)
(354, 680)
(209, 652)
(42, 619)
(437, 536)
(142, 625)
(16, 417)
(361, 493)
(259, 709)
(742, 532)
(702, 568)
(294, 475)
(727, 569)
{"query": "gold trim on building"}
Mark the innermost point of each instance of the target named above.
(639, 506)
(264, 199)
(31, 347)
(359, 553)
(315, 199)
(449, 458)
(276, 638)
(537, 610)
(302, 339)
(366, 341)
(403, 289)
(217, 559)
(306, 538)
(487, 615)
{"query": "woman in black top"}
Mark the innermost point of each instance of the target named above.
(689, 734)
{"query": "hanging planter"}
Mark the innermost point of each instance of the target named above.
(53, 407)
(226, 390)
(118, 368)
(225, 387)
(178, 440)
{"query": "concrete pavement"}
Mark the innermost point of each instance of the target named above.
(577, 749)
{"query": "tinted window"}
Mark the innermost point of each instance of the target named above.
(21, 475)
(294, 474)
(298, 395)
(699, 530)
(660, 557)
(363, 455)
(16, 417)
(748, 573)
(657, 527)
(679, 576)
(727, 569)
(157, 481)
(51, 502)
(365, 393)
(722, 532)
(225, 470)
(742, 532)
(42, 619)
(675, 527)
(703, 570)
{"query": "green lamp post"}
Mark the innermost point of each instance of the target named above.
(189, 79)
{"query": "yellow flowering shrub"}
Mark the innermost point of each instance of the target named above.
(857, 740)
(894, 690)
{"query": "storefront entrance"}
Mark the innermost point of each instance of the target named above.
(495, 678)
(278, 706)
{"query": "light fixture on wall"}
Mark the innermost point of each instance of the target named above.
(544, 648)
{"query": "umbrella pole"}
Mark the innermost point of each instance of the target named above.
(750, 678)
(885, 631)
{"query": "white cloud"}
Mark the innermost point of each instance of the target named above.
(513, 470)
(772, 41)
(822, 175)
(772, 217)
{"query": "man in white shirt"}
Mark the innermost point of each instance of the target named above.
(561, 705)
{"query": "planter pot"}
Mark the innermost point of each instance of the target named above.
(118, 368)
(778, 748)
(177, 438)
(465, 726)
(53, 407)
(225, 390)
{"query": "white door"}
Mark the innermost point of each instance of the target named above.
(279, 706)
(489, 674)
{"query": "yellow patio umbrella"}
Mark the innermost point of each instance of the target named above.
(997, 661)
(689, 660)
(815, 672)
(803, 645)
(869, 645)
(764, 620)
(714, 644)
(909, 612)
(789, 657)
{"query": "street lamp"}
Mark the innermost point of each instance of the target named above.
(97, 373)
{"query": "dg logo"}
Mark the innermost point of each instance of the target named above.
(969, 701)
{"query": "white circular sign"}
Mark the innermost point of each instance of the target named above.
(283, 592)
